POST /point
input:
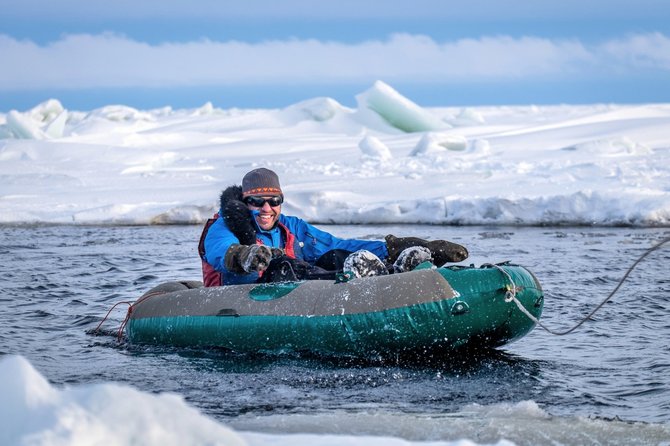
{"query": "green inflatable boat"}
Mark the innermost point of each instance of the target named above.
(426, 311)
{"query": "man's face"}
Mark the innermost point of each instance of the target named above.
(268, 214)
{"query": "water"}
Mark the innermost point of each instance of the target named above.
(608, 382)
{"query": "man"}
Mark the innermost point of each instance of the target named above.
(241, 241)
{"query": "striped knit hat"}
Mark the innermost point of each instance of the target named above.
(262, 182)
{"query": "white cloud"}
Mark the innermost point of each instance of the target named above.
(643, 51)
(112, 60)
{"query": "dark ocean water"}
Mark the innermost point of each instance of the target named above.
(59, 282)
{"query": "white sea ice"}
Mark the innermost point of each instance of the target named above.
(386, 161)
(438, 142)
(395, 110)
(35, 413)
(373, 147)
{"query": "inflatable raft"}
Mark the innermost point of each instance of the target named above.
(425, 311)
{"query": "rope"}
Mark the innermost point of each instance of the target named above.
(108, 312)
(119, 334)
(510, 294)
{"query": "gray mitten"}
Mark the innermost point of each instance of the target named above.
(363, 263)
(410, 258)
(243, 259)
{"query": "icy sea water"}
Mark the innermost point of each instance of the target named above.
(606, 383)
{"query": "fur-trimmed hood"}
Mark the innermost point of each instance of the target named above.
(236, 215)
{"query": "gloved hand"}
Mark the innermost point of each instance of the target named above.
(441, 250)
(412, 257)
(243, 259)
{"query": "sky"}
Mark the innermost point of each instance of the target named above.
(90, 53)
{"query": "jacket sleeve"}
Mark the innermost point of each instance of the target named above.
(217, 241)
(316, 242)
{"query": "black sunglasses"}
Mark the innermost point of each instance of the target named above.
(258, 202)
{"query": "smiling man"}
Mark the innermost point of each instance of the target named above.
(241, 241)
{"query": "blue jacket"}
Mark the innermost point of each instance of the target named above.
(311, 243)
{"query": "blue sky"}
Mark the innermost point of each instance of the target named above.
(151, 53)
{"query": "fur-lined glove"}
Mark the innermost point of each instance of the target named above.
(243, 259)
(441, 250)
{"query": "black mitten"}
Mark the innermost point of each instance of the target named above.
(285, 269)
(442, 250)
(247, 258)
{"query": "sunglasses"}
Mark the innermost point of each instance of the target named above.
(258, 202)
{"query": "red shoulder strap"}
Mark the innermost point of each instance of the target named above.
(210, 276)
(201, 244)
(289, 248)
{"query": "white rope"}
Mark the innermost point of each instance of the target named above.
(510, 294)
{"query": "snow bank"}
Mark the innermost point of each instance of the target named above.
(33, 412)
(387, 161)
